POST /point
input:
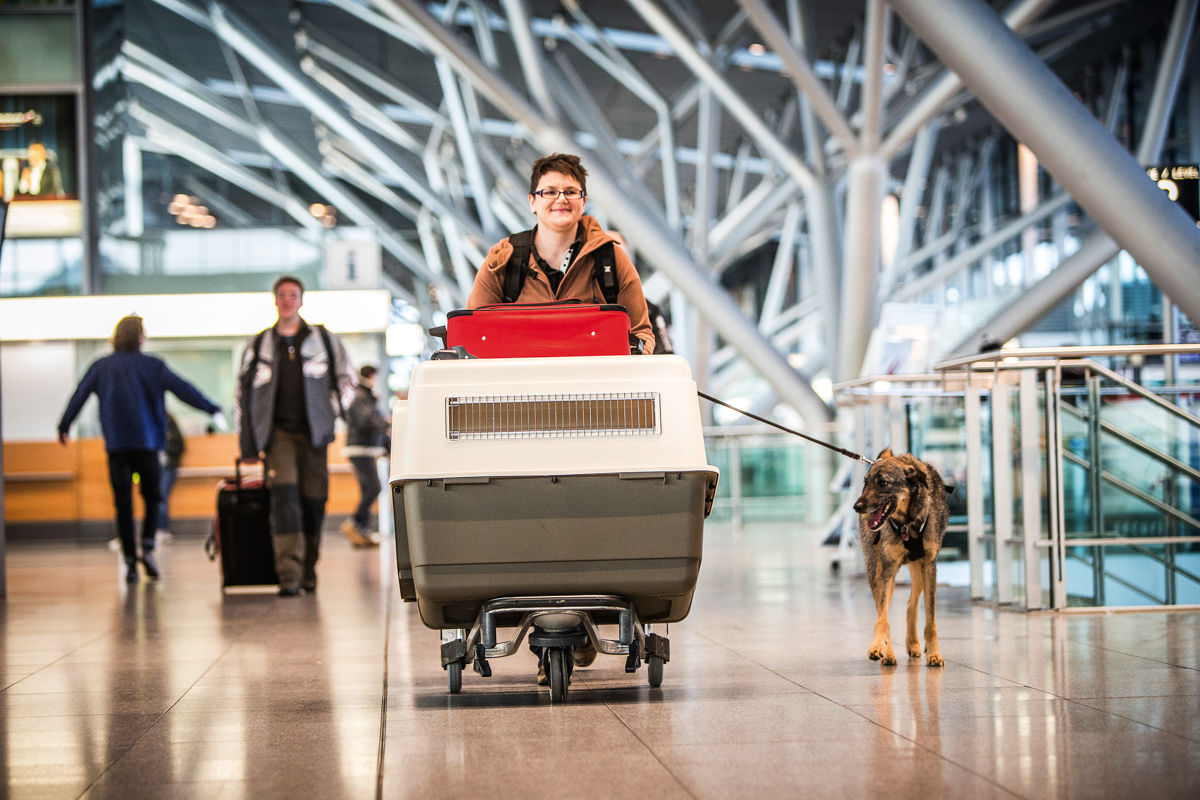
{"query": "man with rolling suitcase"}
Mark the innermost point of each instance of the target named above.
(295, 381)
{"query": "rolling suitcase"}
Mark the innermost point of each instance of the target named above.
(540, 330)
(242, 532)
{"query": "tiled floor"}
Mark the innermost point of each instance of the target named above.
(169, 690)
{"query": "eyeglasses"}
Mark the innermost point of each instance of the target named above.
(552, 194)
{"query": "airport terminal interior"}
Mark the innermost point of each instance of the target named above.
(885, 247)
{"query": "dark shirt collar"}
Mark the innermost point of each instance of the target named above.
(576, 246)
(301, 332)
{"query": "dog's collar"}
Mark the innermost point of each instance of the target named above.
(904, 531)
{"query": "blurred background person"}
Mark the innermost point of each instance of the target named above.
(41, 178)
(174, 454)
(294, 383)
(131, 388)
(658, 318)
(366, 441)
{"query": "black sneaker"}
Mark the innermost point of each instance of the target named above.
(289, 591)
(149, 565)
(131, 574)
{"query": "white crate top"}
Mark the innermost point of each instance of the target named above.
(422, 447)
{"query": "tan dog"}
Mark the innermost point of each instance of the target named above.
(902, 517)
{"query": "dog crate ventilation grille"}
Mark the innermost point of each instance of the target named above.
(548, 416)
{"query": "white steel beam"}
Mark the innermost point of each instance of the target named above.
(949, 269)
(1040, 111)
(929, 105)
(801, 73)
(164, 134)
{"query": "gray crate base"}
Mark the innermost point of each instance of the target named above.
(467, 543)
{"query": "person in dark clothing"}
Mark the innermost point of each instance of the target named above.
(130, 386)
(366, 433)
(175, 448)
(659, 323)
(295, 381)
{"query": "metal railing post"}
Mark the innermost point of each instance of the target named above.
(879, 430)
(1095, 484)
(1002, 488)
(974, 489)
(1031, 487)
(898, 424)
(1054, 471)
(735, 480)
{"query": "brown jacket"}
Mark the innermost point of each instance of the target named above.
(579, 282)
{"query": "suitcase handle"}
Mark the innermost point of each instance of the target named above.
(237, 473)
(573, 301)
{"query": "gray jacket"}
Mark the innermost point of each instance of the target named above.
(258, 383)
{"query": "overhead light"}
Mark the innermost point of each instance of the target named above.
(756, 49)
(317, 210)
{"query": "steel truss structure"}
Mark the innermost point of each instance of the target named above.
(711, 135)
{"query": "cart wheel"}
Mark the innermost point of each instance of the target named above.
(654, 665)
(454, 676)
(559, 674)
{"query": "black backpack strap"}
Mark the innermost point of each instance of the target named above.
(246, 389)
(248, 378)
(604, 258)
(333, 381)
(518, 265)
(258, 346)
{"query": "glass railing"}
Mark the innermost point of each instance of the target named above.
(765, 477)
(1130, 473)
(1107, 470)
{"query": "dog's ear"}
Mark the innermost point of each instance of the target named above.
(887, 453)
(914, 476)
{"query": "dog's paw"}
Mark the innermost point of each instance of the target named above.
(888, 660)
(875, 655)
(914, 651)
(936, 660)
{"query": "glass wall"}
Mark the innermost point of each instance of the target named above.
(40, 156)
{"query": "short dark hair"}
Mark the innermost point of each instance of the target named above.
(127, 336)
(565, 163)
(282, 279)
(366, 372)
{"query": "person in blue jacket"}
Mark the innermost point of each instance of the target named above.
(130, 386)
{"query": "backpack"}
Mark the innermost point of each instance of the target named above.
(517, 268)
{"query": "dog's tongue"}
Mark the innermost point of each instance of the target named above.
(876, 518)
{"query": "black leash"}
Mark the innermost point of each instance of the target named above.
(855, 456)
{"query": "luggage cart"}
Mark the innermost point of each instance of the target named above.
(550, 496)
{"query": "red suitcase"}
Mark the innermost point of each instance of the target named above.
(540, 330)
